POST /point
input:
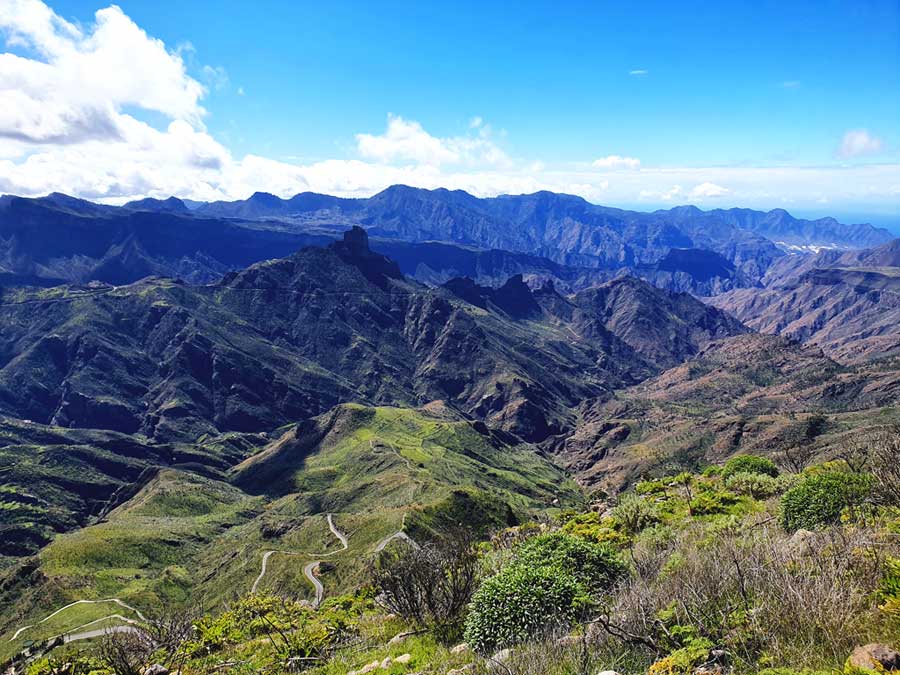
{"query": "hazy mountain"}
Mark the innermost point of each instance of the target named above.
(564, 227)
(435, 235)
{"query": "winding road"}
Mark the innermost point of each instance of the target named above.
(130, 625)
(81, 602)
(309, 569)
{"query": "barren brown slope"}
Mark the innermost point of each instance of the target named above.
(852, 314)
(752, 393)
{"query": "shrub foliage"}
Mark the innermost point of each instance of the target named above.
(819, 499)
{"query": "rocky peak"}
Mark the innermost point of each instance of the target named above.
(354, 249)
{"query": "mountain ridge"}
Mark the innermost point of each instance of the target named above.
(581, 241)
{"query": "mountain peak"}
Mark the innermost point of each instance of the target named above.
(354, 249)
(356, 240)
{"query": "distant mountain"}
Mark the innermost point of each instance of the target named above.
(170, 205)
(434, 234)
(78, 241)
(796, 234)
(846, 303)
(562, 227)
(265, 205)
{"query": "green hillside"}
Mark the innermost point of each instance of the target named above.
(188, 538)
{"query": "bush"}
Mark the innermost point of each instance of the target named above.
(757, 485)
(634, 513)
(518, 604)
(595, 566)
(683, 661)
(708, 502)
(819, 498)
(592, 527)
(431, 584)
(749, 464)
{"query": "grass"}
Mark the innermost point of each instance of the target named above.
(189, 538)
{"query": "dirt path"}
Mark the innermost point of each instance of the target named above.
(394, 450)
(397, 535)
(99, 632)
(400, 534)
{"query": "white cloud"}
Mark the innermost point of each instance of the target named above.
(76, 91)
(616, 162)
(676, 192)
(215, 77)
(638, 72)
(708, 190)
(859, 142)
(406, 141)
(67, 124)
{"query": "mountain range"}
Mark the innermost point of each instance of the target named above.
(435, 235)
(188, 389)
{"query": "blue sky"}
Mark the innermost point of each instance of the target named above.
(706, 94)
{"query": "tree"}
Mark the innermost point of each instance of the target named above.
(126, 651)
(750, 464)
(431, 584)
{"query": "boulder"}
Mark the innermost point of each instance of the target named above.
(460, 671)
(607, 672)
(368, 668)
(568, 640)
(398, 638)
(386, 663)
(499, 659)
(875, 656)
(461, 648)
(156, 669)
(403, 659)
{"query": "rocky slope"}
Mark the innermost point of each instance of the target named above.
(847, 304)
(755, 394)
(290, 338)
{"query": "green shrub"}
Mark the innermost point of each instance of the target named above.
(593, 527)
(634, 513)
(652, 487)
(518, 604)
(889, 586)
(819, 498)
(749, 464)
(757, 485)
(683, 661)
(708, 502)
(595, 566)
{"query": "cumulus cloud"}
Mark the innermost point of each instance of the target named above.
(76, 88)
(708, 190)
(67, 123)
(616, 162)
(406, 141)
(858, 143)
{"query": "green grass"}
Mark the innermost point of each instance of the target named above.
(188, 538)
